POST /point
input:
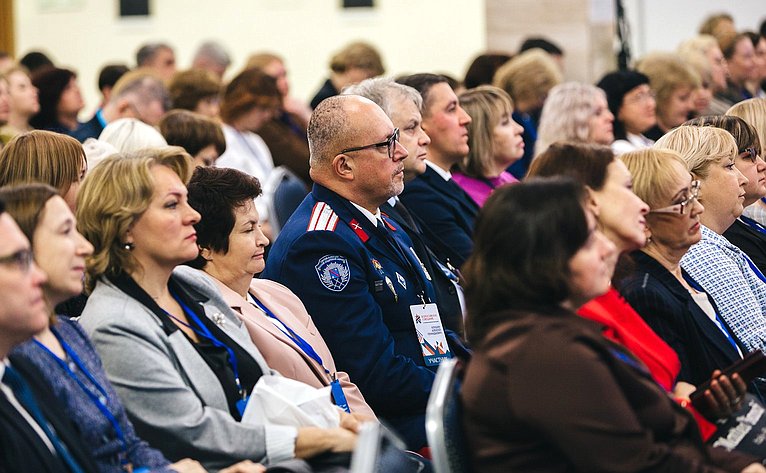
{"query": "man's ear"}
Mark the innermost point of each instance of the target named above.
(205, 253)
(343, 166)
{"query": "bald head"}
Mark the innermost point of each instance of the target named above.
(338, 123)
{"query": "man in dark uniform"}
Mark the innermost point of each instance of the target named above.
(403, 106)
(35, 434)
(356, 270)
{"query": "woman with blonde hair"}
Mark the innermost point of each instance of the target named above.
(721, 269)
(576, 112)
(24, 103)
(185, 366)
(494, 142)
(528, 78)
(46, 157)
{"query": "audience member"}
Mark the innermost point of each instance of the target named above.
(753, 111)
(182, 365)
(632, 104)
(669, 299)
(446, 210)
(528, 78)
(23, 101)
(5, 103)
(200, 136)
(354, 63)
(107, 78)
(130, 134)
(6, 62)
(494, 142)
(60, 101)
(546, 45)
(285, 133)
(755, 81)
(482, 69)
(368, 282)
(403, 105)
(575, 111)
(46, 157)
(740, 59)
(137, 94)
(196, 90)
(721, 269)
(718, 25)
(745, 233)
(35, 61)
(212, 56)
(538, 255)
(673, 82)
(36, 435)
(232, 250)
(708, 47)
(157, 57)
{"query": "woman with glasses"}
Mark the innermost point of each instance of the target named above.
(745, 233)
(720, 268)
(632, 103)
(495, 142)
(667, 297)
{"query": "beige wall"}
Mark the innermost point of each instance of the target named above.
(413, 35)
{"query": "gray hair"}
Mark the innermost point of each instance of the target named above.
(566, 114)
(215, 52)
(383, 91)
(146, 52)
(328, 125)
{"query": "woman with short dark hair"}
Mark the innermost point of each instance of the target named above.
(60, 100)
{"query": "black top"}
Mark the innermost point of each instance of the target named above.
(327, 90)
(217, 358)
(750, 241)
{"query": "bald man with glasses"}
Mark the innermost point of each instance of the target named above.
(355, 269)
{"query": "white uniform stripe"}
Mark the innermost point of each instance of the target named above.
(315, 216)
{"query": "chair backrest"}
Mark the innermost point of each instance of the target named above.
(444, 429)
(286, 191)
(378, 450)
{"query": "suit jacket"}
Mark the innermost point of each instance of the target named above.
(278, 350)
(359, 289)
(445, 213)
(173, 398)
(671, 311)
(447, 297)
(612, 416)
(90, 129)
(750, 241)
(21, 448)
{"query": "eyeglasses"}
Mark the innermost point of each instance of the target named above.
(22, 260)
(390, 143)
(642, 96)
(680, 209)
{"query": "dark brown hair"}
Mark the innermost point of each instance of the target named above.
(251, 88)
(585, 163)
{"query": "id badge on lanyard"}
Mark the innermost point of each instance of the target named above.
(430, 331)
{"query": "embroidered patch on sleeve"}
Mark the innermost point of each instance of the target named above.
(333, 272)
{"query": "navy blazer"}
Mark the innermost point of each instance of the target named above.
(90, 129)
(670, 310)
(21, 449)
(446, 294)
(751, 241)
(445, 213)
(359, 290)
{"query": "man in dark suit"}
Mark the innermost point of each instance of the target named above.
(34, 436)
(355, 269)
(403, 106)
(446, 211)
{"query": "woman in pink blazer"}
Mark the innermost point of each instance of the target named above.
(232, 248)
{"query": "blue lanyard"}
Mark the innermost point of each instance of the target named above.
(753, 224)
(722, 326)
(337, 391)
(204, 332)
(289, 333)
(100, 401)
(754, 268)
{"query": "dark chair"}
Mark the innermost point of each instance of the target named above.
(287, 191)
(443, 421)
(378, 450)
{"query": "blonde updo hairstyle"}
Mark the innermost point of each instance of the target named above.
(700, 147)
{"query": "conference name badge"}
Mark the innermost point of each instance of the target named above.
(430, 331)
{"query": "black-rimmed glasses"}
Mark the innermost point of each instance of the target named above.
(22, 260)
(680, 208)
(390, 143)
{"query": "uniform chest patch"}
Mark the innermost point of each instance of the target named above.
(333, 272)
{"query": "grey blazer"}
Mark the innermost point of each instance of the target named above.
(173, 398)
